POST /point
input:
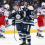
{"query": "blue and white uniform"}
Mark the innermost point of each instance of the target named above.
(17, 18)
(27, 22)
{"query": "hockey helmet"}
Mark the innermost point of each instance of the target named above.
(43, 3)
(7, 6)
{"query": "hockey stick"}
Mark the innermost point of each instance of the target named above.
(14, 32)
(14, 25)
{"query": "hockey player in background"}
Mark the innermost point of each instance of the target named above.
(24, 5)
(41, 19)
(5, 11)
(1, 29)
(17, 16)
(27, 22)
(29, 6)
(2, 25)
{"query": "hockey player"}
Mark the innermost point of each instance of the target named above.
(5, 12)
(2, 25)
(27, 22)
(40, 19)
(0, 21)
(17, 16)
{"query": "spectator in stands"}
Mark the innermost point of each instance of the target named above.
(22, 4)
(35, 3)
(15, 2)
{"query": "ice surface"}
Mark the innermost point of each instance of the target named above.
(9, 40)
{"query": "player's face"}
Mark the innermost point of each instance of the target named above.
(28, 3)
(43, 6)
(15, 7)
(22, 3)
(25, 3)
(3, 6)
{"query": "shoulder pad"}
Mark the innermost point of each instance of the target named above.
(22, 7)
(30, 8)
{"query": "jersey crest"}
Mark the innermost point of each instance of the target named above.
(18, 16)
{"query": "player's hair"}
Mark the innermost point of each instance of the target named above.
(29, 3)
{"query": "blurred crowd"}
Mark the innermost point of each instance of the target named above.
(9, 6)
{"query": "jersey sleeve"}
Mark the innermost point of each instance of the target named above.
(13, 18)
(38, 12)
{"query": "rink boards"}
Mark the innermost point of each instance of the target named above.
(10, 29)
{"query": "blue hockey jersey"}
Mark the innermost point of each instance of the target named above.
(17, 17)
(28, 18)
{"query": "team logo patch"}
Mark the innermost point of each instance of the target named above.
(18, 16)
